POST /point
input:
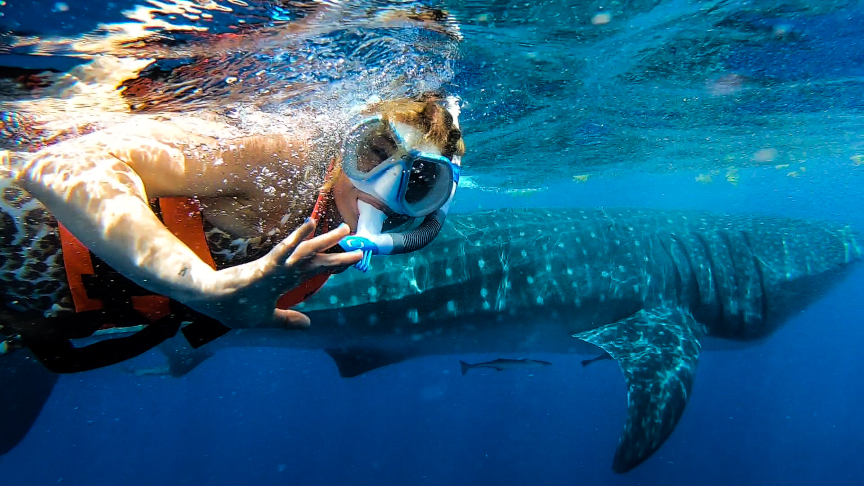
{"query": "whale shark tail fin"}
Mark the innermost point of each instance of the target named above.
(25, 385)
(465, 367)
(657, 351)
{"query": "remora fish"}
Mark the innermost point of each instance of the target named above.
(505, 364)
(645, 286)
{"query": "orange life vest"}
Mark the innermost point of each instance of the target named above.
(182, 216)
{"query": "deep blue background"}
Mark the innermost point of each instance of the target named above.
(782, 412)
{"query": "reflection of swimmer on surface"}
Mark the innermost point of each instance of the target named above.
(162, 31)
(399, 161)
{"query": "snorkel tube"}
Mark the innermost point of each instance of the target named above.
(372, 241)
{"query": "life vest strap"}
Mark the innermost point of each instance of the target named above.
(76, 260)
(314, 284)
(182, 216)
(59, 355)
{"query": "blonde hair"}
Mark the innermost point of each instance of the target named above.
(426, 114)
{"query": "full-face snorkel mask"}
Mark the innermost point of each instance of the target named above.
(392, 163)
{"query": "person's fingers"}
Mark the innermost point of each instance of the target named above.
(286, 248)
(329, 260)
(310, 248)
(327, 240)
(291, 319)
(330, 263)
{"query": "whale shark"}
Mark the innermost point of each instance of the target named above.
(649, 288)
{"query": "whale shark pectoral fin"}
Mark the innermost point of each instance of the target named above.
(183, 360)
(356, 361)
(179, 360)
(657, 351)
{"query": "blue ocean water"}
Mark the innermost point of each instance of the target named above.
(784, 411)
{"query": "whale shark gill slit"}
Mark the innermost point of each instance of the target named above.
(760, 275)
(676, 267)
(657, 351)
(714, 297)
(695, 293)
(738, 278)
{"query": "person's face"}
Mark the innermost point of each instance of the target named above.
(379, 147)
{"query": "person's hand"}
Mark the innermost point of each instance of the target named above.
(253, 288)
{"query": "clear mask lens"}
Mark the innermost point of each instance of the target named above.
(429, 185)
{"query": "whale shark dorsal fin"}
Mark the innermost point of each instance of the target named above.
(657, 351)
(355, 361)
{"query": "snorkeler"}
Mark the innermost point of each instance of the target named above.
(400, 161)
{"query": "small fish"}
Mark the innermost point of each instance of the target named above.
(505, 364)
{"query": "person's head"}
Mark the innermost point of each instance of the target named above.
(389, 131)
(402, 158)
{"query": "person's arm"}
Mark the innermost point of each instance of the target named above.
(90, 186)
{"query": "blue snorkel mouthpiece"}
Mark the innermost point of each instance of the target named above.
(367, 246)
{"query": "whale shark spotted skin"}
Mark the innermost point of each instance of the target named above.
(644, 286)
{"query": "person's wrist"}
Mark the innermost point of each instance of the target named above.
(211, 288)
